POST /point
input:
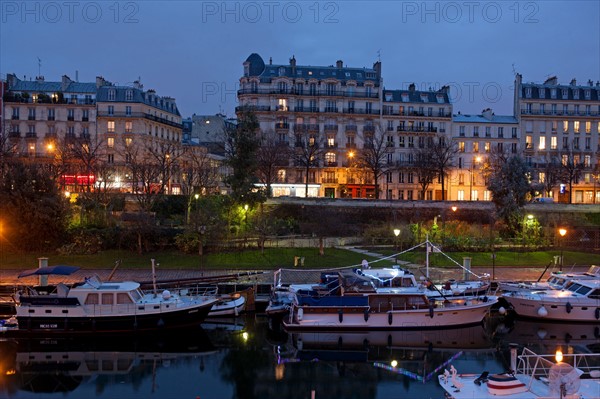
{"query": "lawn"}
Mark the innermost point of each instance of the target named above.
(274, 258)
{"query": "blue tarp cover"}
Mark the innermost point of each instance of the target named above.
(44, 271)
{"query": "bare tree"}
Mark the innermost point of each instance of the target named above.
(272, 154)
(424, 165)
(552, 173)
(309, 149)
(373, 154)
(199, 174)
(570, 169)
(443, 152)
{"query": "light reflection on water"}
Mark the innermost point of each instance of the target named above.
(243, 359)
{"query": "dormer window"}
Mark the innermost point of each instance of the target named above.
(282, 71)
(565, 94)
(542, 92)
(528, 92)
(588, 94)
(112, 95)
(576, 94)
(404, 97)
(129, 95)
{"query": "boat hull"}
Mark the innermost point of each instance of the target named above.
(173, 319)
(580, 310)
(366, 319)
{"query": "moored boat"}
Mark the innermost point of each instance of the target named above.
(556, 281)
(533, 377)
(93, 306)
(578, 301)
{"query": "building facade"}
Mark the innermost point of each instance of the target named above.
(138, 126)
(343, 110)
(477, 138)
(561, 129)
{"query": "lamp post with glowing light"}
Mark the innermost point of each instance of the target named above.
(396, 234)
(562, 232)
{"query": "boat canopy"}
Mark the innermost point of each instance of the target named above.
(62, 270)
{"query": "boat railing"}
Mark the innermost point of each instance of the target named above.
(538, 366)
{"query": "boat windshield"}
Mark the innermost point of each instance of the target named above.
(578, 288)
(136, 295)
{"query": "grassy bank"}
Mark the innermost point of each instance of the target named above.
(274, 258)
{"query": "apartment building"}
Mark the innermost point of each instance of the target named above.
(477, 138)
(136, 122)
(343, 109)
(41, 117)
(561, 129)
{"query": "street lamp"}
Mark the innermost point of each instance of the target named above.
(562, 232)
(475, 160)
(397, 234)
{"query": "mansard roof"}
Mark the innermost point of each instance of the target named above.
(416, 96)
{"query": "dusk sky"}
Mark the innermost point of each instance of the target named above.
(193, 51)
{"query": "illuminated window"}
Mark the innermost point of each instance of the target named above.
(576, 126)
(554, 126)
(330, 158)
(587, 161)
(542, 177)
(565, 159)
(128, 127)
(111, 142)
(542, 145)
(486, 146)
(128, 141)
(461, 146)
(475, 147)
(110, 126)
(588, 127)
(565, 126)
(282, 105)
(553, 143)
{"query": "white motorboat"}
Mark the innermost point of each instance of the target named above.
(360, 307)
(93, 306)
(533, 377)
(556, 281)
(578, 301)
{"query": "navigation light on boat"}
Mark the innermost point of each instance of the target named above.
(559, 356)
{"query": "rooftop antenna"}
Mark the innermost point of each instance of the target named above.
(39, 66)
(379, 55)
(513, 68)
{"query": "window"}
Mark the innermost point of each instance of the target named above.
(528, 92)
(542, 145)
(514, 132)
(576, 126)
(111, 95)
(588, 143)
(31, 115)
(92, 299)
(411, 177)
(565, 109)
(513, 148)
(486, 146)
(388, 177)
(475, 131)
(488, 131)
(576, 143)
(461, 131)
(401, 141)
(129, 95)
(554, 126)
(107, 299)
(411, 142)
(111, 158)
(123, 299)
(565, 126)
(587, 161)
(553, 143)
(71, 114)
(401, 177)
(111, 142)
(461, 146)
(282, 105)
(111, 110)
(85, 116)
(565, 94)
(500, 147)
(51, 114)
(15, 113)
(500, 132)
(588, 127)
(110, 126)
(128, 126)
(128, 110)
(475, 147)
(541, 177)
(542, 92)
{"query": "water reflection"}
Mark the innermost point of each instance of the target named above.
(242, 358)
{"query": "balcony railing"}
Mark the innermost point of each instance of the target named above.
(309, 93)
(282, 125)
(351, 128)
(331, 127)
(418, 129)
(30, 135)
